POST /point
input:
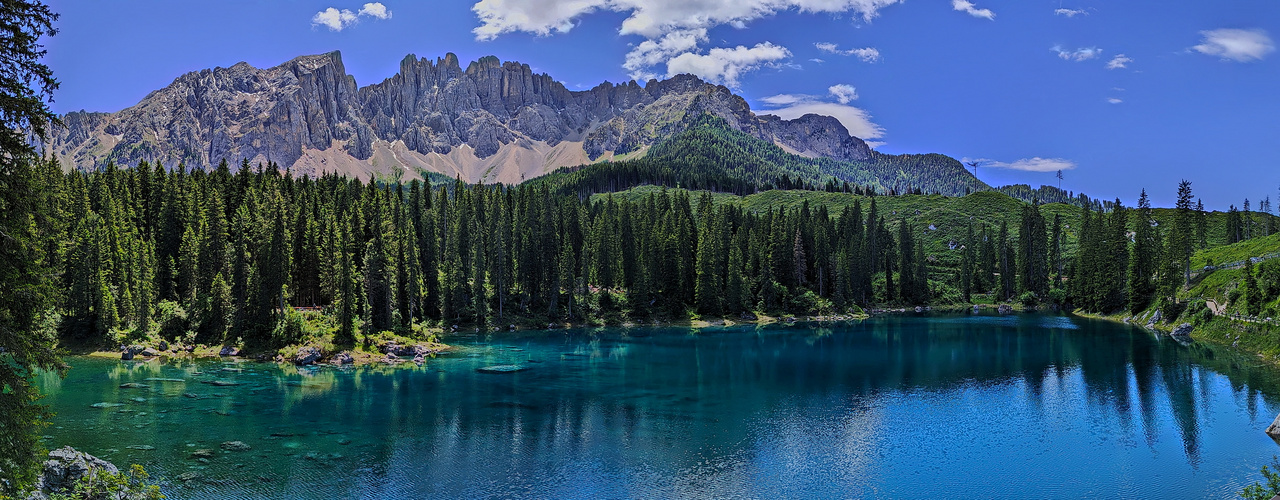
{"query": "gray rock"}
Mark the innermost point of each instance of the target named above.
(229, 351)
(1005, 309)
(1273, 430)
(66, 466)
(1182, 333)
(126, 355)
(202, 453)
(343, 358)
(163, 346)
(502, 369)
(149, 352)
(1155, 318)
(307, 355)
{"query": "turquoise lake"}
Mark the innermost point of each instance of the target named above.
(950, 406)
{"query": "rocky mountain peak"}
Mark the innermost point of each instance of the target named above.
(493, 121)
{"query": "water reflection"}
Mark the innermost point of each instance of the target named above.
(896, 406)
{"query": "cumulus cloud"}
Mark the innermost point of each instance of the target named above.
(337, 20)
(1070, 12)
(857, 121)
(843, 92)
(866, 54)
(723, 65)
(1115, 100)
(1036, 164)
(972, 9)
(375, 9)
(1236, 44)
(1081, 54)
(670, 28)
(1119, 61)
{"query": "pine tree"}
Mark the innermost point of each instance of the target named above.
(1142, 263)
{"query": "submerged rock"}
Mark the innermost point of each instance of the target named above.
(202, 453)
(134, 385)
(66, 466)
(502, 369)
(221, 383)
(142, 447)
(105, 405)
(235, 446)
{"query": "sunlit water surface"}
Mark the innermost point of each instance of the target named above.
(1025, 406)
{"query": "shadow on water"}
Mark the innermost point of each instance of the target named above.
(889, 407)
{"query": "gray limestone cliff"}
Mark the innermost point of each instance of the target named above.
(421, 116)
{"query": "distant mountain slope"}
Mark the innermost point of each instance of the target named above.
(490, 122)
(708, 153)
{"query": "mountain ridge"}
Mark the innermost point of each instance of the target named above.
(492, 121)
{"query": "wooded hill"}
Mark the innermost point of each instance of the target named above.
(227, 257)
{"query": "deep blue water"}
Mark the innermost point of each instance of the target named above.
(1024, 406)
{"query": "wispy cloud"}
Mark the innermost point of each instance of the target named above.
(1036, 164)
(856, 120)
(866, 54)
(337, 20)
(1236, 44)
(1115, 100)
(1070, 12)
(972, 9)
(1120, 61)
(667, 26)
(1077, 55)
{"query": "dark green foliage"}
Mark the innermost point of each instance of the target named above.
(1258, 491)
(31, 236)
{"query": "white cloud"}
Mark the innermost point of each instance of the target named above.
(857, 121)
(866, 54)
(1114, 100)
(334, 19)
(972, 9)
(1070, 12)
(819, 61)
(1081, 54)
(843, 92)
(1119, 61)
(1036, 164)
(670, 28)
(723, 65)
(375, 9)
(337, 20)
(1235, 44)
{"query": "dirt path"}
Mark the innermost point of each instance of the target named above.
(1217, 309)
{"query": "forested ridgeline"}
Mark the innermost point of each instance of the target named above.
(226, 257)
(710, 155)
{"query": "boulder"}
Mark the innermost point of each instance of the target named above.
(419, 359)
(235, 446)
(391, 359)
(163, 346)
(1273, 430)
(66, 466)
(1182, 333)
(306, 355)
(1005, 309)
(229, 351)
(343, 358)
(126, 355)
(1155, 318)
(149, 352)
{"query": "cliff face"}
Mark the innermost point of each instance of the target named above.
(492, 121)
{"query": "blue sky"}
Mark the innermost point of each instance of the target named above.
(1121, 95)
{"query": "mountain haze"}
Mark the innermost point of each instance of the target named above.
(492, 121)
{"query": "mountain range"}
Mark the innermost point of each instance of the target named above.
(490, 122)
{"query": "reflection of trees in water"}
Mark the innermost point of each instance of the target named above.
(686, 403)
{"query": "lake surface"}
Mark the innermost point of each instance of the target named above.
(1023, 406)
